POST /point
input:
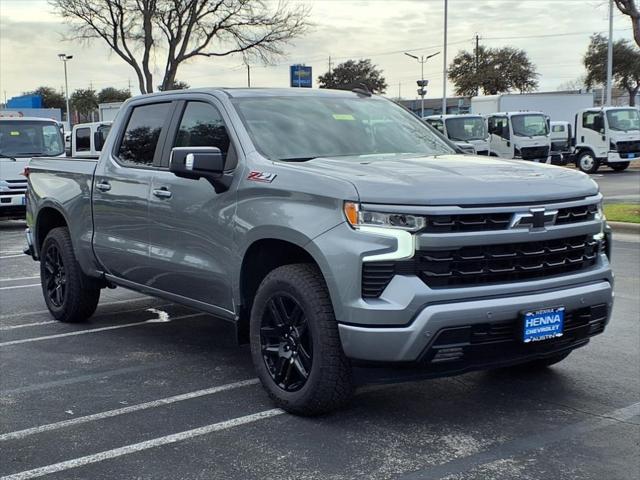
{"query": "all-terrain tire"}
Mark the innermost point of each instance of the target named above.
(70, 295)
(329, 384)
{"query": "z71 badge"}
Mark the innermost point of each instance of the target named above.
(261, 177)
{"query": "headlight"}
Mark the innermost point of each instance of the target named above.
(612, 146)
(368, 218)
(600, 213)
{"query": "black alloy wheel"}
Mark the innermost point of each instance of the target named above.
(286, 343)
(55, 279)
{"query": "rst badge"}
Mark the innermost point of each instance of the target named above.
(265, 177)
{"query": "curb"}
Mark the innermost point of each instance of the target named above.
(625, 227)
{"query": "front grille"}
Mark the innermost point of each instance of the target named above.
(485, 264)
(583, 213)
(628, 147)
(500, 221)
(530, 153)
(15, 187)
(482, 343)
(488, 264)
(467, 222)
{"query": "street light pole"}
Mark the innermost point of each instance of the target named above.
(610, 54)
(422, 60)
(444, 62)
(64, 57)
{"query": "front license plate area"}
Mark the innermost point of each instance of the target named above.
(545, 324)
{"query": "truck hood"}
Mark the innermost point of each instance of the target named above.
(453, 179)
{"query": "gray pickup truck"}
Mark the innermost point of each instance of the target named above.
(335, 230)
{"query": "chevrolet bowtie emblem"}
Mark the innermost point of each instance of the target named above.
(535, 218)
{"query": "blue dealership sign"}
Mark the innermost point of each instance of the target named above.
(301, 76)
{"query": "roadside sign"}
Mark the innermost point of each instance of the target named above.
(300, 76)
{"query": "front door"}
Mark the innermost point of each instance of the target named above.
(499, 136)
(121, 194)
(191, 238)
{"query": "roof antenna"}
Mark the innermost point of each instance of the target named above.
(364, 90)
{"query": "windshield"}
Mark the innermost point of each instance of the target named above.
(624, 119)
(466, 128)
(306, 127)
(529, 125)
(25, 138)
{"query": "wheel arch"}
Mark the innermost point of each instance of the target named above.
(49, 217)
(261, 257)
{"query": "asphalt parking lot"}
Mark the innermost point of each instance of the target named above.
(152, 390)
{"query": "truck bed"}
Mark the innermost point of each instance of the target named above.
(67, 184)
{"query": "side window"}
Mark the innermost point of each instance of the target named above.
(140, 139)
(499, 126)
(437, 124)
(557, 128)
(203, 126)
(83, 139)
(589, 120)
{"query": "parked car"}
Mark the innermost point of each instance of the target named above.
(23, 138)
(334, 230)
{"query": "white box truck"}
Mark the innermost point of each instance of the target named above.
(557, 105)
(107, 111)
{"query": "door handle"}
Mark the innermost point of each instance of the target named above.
(103, 186)
(162, 192)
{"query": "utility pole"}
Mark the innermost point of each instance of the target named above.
(248, 75)
(422, 83)
(610, 54)
(399, 90)
(129, 85)
(65, 58)
(329, 66)
(444, 62)
(477, 62)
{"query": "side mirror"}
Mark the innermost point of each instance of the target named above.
(196, 162)
(598, 124)
(505, 132)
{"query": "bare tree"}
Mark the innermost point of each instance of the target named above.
(631, 8)
(139, 31)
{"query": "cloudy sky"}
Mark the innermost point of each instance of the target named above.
(555, 34)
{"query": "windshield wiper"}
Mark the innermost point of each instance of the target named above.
(4, 155)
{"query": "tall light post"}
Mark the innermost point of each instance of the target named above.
(444, 62)
(610, 54)
(422, 60)
(65, 58)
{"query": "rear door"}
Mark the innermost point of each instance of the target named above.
(190, 224)
(121, 193)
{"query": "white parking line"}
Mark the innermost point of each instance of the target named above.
(146, 445)
(23, 325)
(91, 330)
(121, 411)
(12, 256)
(10, 252)
(37, 312)
(18, 278)
(20, 286)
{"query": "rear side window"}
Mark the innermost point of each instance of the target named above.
(203, 126)
(437, 124)
(83, 139)
(557, 128)
(140, 139)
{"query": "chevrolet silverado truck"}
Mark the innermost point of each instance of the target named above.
(335, 230)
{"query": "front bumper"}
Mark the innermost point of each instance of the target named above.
(613, 157)
(412, 343)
